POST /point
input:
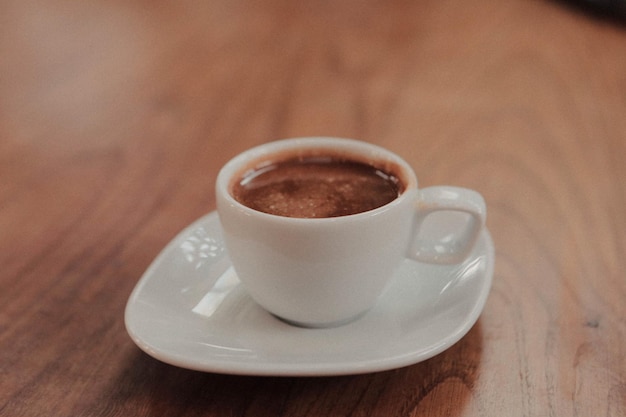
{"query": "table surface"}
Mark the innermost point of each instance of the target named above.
(116, 116)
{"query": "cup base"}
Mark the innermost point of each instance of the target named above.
(323, 325)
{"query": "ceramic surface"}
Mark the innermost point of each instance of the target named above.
(190, 310)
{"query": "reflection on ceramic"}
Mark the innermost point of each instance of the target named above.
(190, 310)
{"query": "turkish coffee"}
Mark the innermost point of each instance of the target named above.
(316, 187)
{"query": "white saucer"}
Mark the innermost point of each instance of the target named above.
(189, 310)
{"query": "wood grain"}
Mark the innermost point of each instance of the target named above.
(116, 116)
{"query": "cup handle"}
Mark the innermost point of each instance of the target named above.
(451, 249)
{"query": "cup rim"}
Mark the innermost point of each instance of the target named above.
(246, 160)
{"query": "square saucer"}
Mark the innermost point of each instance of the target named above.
(190, 310)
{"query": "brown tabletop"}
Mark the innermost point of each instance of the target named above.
(115, 118)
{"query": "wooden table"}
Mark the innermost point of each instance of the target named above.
(116, 116)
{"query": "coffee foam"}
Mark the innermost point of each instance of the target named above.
(317, 182)
(275, 158)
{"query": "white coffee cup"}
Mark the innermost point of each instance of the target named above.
(323, 272)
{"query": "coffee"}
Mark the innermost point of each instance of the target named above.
(316, 187)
